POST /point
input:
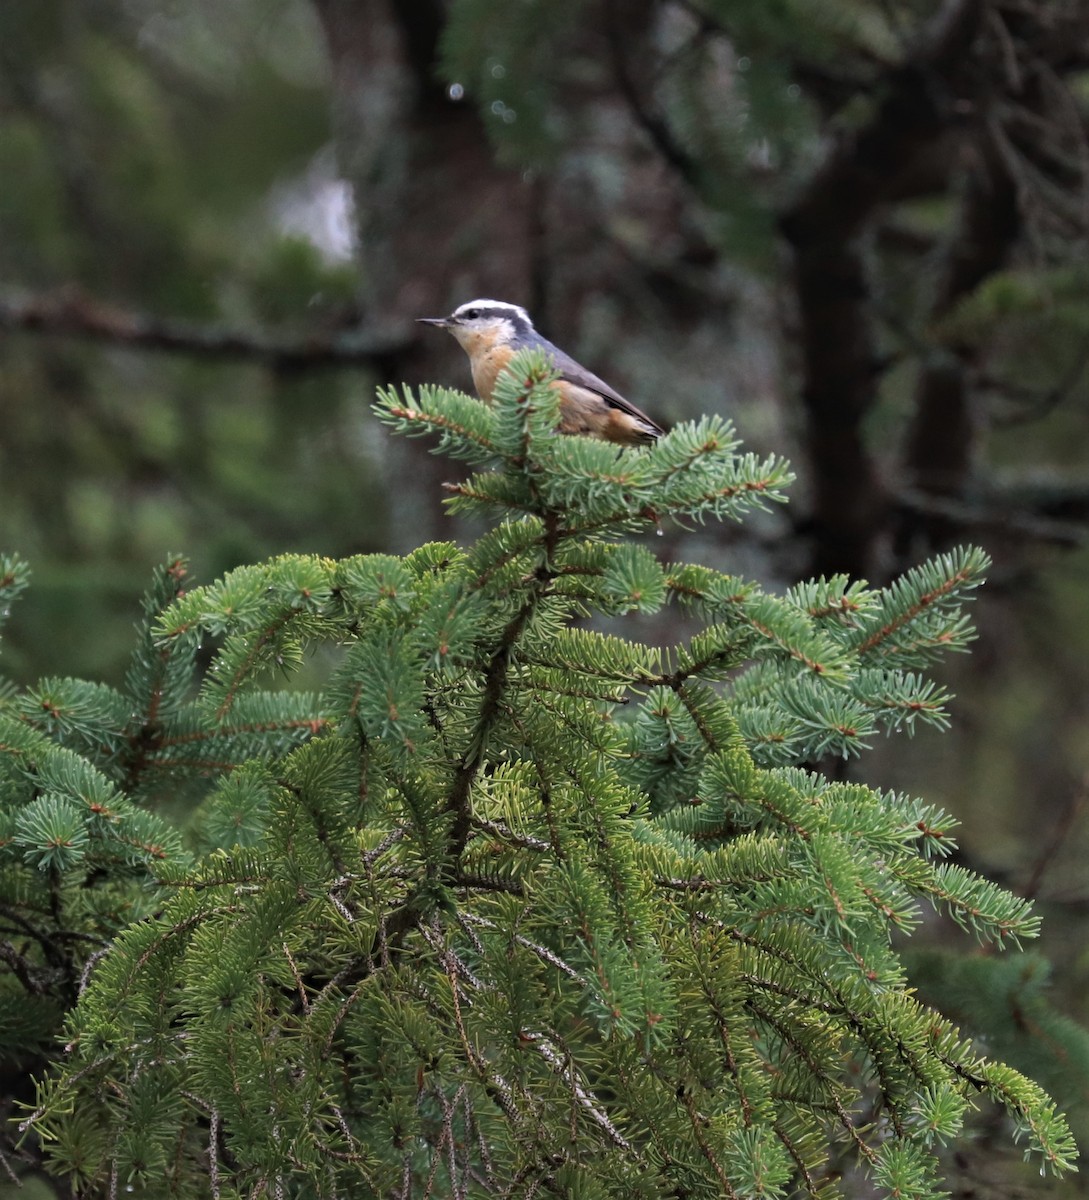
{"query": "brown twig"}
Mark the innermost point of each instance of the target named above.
(1068, 818)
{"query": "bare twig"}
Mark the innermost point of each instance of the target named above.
(1068, 818)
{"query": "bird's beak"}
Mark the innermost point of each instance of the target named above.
(441, 322)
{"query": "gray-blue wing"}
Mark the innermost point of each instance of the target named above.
(577, 374)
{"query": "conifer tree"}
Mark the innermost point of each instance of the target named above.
(513, 905)
(82, 767)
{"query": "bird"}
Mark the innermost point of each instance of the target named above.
(492, 331)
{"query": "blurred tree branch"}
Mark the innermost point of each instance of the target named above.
(1032, 404)
(977, 109)
(861, 172)
(71, 312)
(653, 123)
(1056, 516)
(942, 441)
(1071, 812)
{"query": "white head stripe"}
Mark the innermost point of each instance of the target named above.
(500, 306)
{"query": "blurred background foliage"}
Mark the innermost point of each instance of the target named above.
(857, 227)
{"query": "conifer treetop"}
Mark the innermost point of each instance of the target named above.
(517, 905)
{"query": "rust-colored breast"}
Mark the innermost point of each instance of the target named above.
(486, 363)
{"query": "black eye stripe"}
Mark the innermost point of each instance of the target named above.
(496, 313)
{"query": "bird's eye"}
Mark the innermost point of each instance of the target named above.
(472, 314)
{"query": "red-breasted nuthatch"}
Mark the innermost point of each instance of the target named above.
(492, 331)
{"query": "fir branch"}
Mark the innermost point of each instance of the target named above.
(581, 1093)
(437, 901)
(485, 883)
(312, 725)
(492, 690)
(980, 906)
(542, 952)
(34, 980)
(466, 425)
(507, 835)
(920, 591)
(14, 579)
(487, 494)
(698, 1123)
(800, 1163)
(52, 952)
(784, 1031)
(1035, 1114)
(230, 688)
(494, 685)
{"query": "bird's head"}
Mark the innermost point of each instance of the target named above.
(485, 323)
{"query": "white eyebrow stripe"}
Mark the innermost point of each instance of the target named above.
(500, 306)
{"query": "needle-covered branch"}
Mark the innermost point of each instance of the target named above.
(507, 883)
